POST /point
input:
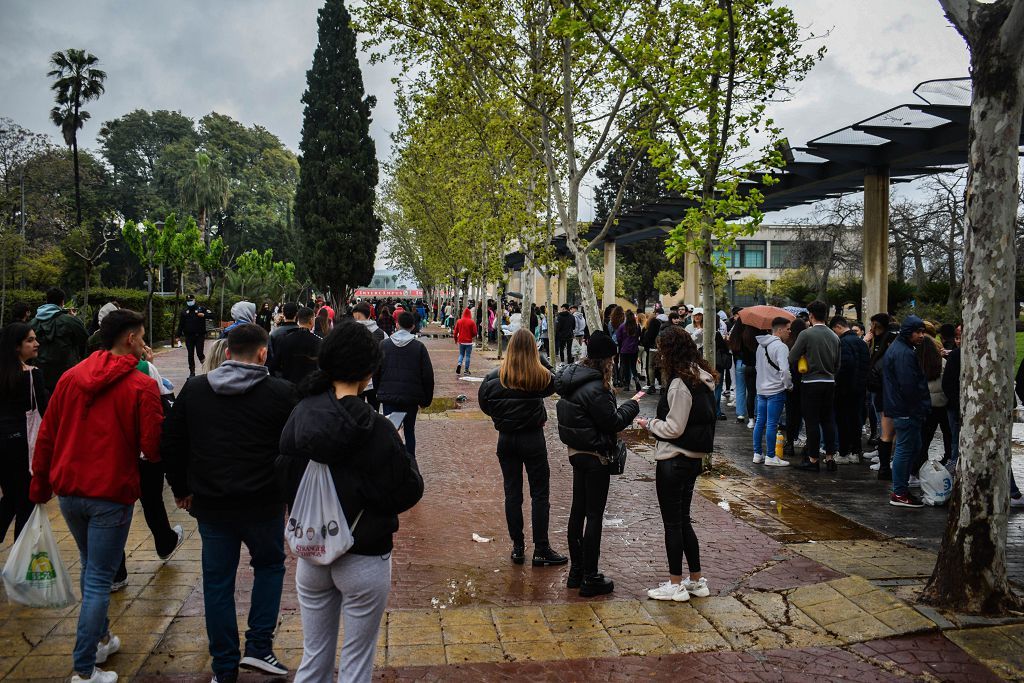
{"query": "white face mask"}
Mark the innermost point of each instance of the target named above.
(190, 303)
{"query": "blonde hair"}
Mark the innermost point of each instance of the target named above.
(521, 368)
(215, 356)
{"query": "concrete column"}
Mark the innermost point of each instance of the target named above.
(876, 242)
(609, 273)
(563, 289)
(691, 280)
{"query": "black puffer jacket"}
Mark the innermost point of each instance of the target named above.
(513, 410)
(405, 376)
(371, 469)
(588, 418)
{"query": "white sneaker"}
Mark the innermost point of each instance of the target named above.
(98, 676)
(669, 591)
(847, 460)
(750, 424)
(731, 403)
(873, 455)
(800, 443)
(774, 461)
(104, 650)
(875, 459)
(914, 482)
(181, 537)
(698, 588)
(758, 458)
(876, 466)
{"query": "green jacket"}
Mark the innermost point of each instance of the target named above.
(62, 342)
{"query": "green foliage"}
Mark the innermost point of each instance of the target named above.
(259, 277)
(752, 285)
(40, 269)
(793, 286)
(668, 282)
(164, 309)
(336, 194)
(900, 294)
(933, 292)
(203, 187)
(34, 298)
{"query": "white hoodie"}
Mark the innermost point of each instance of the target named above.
(772, 380)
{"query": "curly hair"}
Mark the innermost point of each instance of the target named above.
(602, 365)
(680, 356)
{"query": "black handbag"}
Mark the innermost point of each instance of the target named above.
(617, 458)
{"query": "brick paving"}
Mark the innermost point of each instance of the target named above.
(780, 609)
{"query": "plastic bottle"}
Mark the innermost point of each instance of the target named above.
(780, 444)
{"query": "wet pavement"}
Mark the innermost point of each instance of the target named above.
(810, 578)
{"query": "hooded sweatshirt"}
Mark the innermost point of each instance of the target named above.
(220, 442)
(465, 328)
(771, 379)
(243, 313)
(62, 342)
(372, 472)
(905, 391)
(405, 375)
(102, 414)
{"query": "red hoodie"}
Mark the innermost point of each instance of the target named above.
(465, 328)
(102, 414)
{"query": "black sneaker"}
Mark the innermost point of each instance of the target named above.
(596, 584)
(575, 578)
(518, 554)
(268, 663)
(458, 369)
(830, 465)
(546, 557)
(808, 466)
(723, 417)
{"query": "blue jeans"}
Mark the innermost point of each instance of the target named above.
(769, 410)
(465, 351)
(222, 542)
(908, 443)
(408, 424)
(100, 529)
(741, 389)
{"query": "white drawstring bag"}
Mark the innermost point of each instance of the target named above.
(34, 574)
(936, 483)
(317, 529)
(32, 420)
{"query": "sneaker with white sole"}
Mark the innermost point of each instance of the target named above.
(119, 585)
(775, 461)
(750, 424)
(268, 663)
(698, 588)
(847, 460)
(98, 676)
(181, 537)
(758, 458)
(669, 591)
(876, 466)
(104, 650)
(905, 501)
(874, 459)
(873, 455)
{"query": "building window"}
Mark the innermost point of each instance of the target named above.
(784, 255)
(753, 254)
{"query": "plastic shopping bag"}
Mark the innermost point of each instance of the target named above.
(936, 483)
(32, 421)
(317, 529)
(34, 574)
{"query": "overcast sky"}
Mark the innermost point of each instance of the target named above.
(248, 59)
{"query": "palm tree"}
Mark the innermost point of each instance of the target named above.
(77, 80)
(204, 186)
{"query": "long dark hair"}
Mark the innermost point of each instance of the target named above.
(930, 359)
(602, 365)
(795, 328)
(680, 357)
(632, 329)
(348, 354)
(10, 361)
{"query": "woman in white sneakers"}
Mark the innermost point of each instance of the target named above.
(685, 433)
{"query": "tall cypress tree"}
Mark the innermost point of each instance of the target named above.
(335, 198)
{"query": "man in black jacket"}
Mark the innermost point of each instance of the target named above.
(296, 349)
(851, 379)
(219, 445)
(192, 326)
(565, 326)
(290, 310)
(405, 377)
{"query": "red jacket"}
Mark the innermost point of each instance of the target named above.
(102, 414)
(465, 328)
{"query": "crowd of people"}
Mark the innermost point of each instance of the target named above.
(320, 387)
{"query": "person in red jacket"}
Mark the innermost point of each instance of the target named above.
(102, 414)
(464, 333)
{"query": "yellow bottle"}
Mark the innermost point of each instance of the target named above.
(780, 444)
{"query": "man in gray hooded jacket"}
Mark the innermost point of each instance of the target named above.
(773, 381)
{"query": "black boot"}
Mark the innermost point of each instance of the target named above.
(518, 554)
(458, 369)
(596, 584)
(575, 578)
(544, 556)
(885, 460)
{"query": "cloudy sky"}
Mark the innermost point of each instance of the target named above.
(248, 59)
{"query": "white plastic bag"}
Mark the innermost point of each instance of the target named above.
(32, 421)
(34, 574)
(936, 483)
(317, 529)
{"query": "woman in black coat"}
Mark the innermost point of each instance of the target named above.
(513, 396)
(588, 420)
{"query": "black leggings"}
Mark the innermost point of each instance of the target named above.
(938, 418)
(750, 380)
(794, 416)
(151, 482)
(590, 480)
(627, 362)
(525, 450)
(674, 479)
(14, 482)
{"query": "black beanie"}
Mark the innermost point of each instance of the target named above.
(600, 346)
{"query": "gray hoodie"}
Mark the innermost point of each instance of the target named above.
(771, 381)
(235, 377)
(402, 337)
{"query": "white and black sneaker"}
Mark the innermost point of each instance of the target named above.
(268, 663)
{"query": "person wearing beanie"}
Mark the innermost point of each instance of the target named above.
(588, 421)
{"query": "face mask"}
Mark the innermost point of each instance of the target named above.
(190, 303)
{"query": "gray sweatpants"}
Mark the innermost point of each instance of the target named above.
(356, 586)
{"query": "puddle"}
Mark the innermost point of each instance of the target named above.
(459, 593)
(440, 404)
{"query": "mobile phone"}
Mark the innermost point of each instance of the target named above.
(639, 395)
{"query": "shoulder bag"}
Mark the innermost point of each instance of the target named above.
(617, 457)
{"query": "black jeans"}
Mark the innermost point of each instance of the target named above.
(194, 347)
(14, 482)
(151, 483)
(563, 349)
(590, 480)
(516, 451)
(674, 480)
(817, 399)
(408, 425)
(938, 418)
(750, 381)
(627, 363)
(849, 404)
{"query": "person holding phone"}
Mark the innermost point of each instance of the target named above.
(513, 396)
(685, 432)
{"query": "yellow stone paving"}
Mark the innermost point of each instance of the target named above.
(870, 559)
(1001, 648)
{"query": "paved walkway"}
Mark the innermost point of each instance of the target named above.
(799, 591)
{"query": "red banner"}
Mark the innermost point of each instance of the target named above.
(385, 293)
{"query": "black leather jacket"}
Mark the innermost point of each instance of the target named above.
(513, 410)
